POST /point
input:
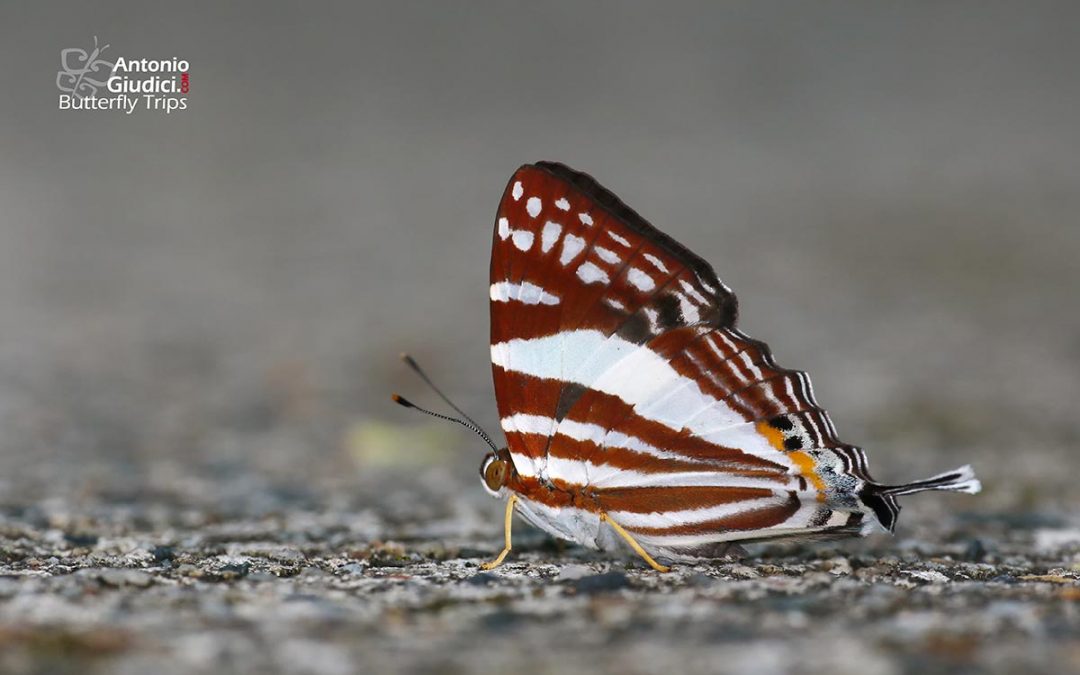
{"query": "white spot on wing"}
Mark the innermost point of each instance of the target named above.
(716, 350)
(570, 470)
(615, 304)
(571, 246)
(523, 239)
(622, 240)
(706, 286)
(549, 236)
(607, 255)
(754, 371)
(591, 274)
(533, 206)
(640, 280)
(500, 292)
(727, 342)
(689, 311)
(528, 424)
(525, 292)
(689, 288)
(563, 204)
(656, 262)
(587, 431)
(504, 228)
(585, 218)
(654, 318)
(517, 191)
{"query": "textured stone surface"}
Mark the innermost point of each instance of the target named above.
(102, 586)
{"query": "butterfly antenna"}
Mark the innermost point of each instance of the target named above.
(467, 422)
(471, 426)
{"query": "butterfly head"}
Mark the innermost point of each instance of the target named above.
(495, 471)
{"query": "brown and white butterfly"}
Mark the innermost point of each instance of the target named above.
(635, 410)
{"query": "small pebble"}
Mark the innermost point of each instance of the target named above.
(481, 579)
(699, 580)
(234, 571)
(162, 553)
(288, 555)
(573, 572)
(743, 572)
(930, 576)
(80, 539)
(118, 578)
(975, 551)
(601, 583)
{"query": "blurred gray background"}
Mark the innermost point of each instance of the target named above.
(222, 293)
(201, 315)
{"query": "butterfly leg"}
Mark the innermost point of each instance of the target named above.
(509, 521)
(633, 544)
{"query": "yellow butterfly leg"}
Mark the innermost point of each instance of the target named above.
(633, 544)
(509, 521)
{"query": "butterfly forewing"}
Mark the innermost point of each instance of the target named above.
(618, 369)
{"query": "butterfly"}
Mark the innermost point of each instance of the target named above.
(635, 411)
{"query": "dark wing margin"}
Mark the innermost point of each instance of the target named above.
(727, 305)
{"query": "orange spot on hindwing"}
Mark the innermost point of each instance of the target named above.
(772, 434)
(804, 462)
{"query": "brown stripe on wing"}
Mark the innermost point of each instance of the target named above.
(791, 387)
(611, 412)
(754, 519)
(530, 321)
(779, 394)
(727, 367)
(737, 372)
(537, 395)
(742, 373)
(688, 352)
(564, 447)
(532, 489)
(529, 445)
(660, 499)
(517, 393)
(620, 458)
(770, 397)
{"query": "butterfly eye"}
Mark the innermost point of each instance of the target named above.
(495, 473)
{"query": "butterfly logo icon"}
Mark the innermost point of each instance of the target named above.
(83, 73)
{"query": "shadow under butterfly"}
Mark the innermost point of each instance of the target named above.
(634, 410)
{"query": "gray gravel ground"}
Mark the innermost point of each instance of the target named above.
(183, 582)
